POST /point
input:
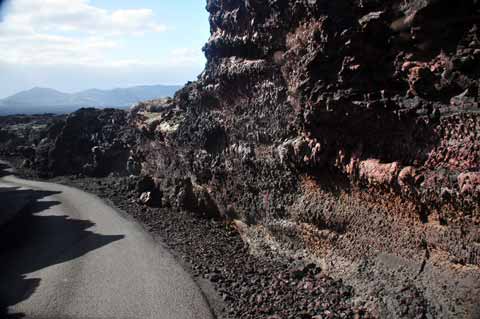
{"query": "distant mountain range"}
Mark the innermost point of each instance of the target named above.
(45, 100)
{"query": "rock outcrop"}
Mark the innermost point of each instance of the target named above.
(344, 131)
(91, 142)
(20, 133)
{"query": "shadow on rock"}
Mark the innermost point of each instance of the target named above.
(34, 241)
(4, 170)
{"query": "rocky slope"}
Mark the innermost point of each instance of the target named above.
(343, 132)
(19, 134)
(346, 131)
(89, 142)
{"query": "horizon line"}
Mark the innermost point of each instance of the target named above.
(76, 92)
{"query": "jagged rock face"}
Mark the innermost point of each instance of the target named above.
(20, 133)
(351, 126)
(89, 141)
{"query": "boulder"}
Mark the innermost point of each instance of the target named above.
(152, 198)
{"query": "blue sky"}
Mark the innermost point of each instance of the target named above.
(71, 45)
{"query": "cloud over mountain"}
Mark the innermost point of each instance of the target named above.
(75, 44)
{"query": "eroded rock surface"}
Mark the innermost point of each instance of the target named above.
(89, 141)
(347, 131)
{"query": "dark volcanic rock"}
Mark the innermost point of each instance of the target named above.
(20, 133)
(347, 130)
(89, 141)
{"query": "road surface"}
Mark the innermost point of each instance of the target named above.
(73, 256)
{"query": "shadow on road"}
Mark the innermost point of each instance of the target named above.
(37, 239)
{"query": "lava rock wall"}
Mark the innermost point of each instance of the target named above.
(347, 129)
(90, 142)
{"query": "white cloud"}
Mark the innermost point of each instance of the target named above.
(72, 45)
(79, 15)
(68, 31)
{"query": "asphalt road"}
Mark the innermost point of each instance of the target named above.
(73, 256)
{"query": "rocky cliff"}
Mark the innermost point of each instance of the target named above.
(347, 132)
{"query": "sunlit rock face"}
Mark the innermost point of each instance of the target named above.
(346, 131)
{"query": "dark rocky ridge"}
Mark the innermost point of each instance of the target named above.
(90, 142)
(345, 132)
(20, 134)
